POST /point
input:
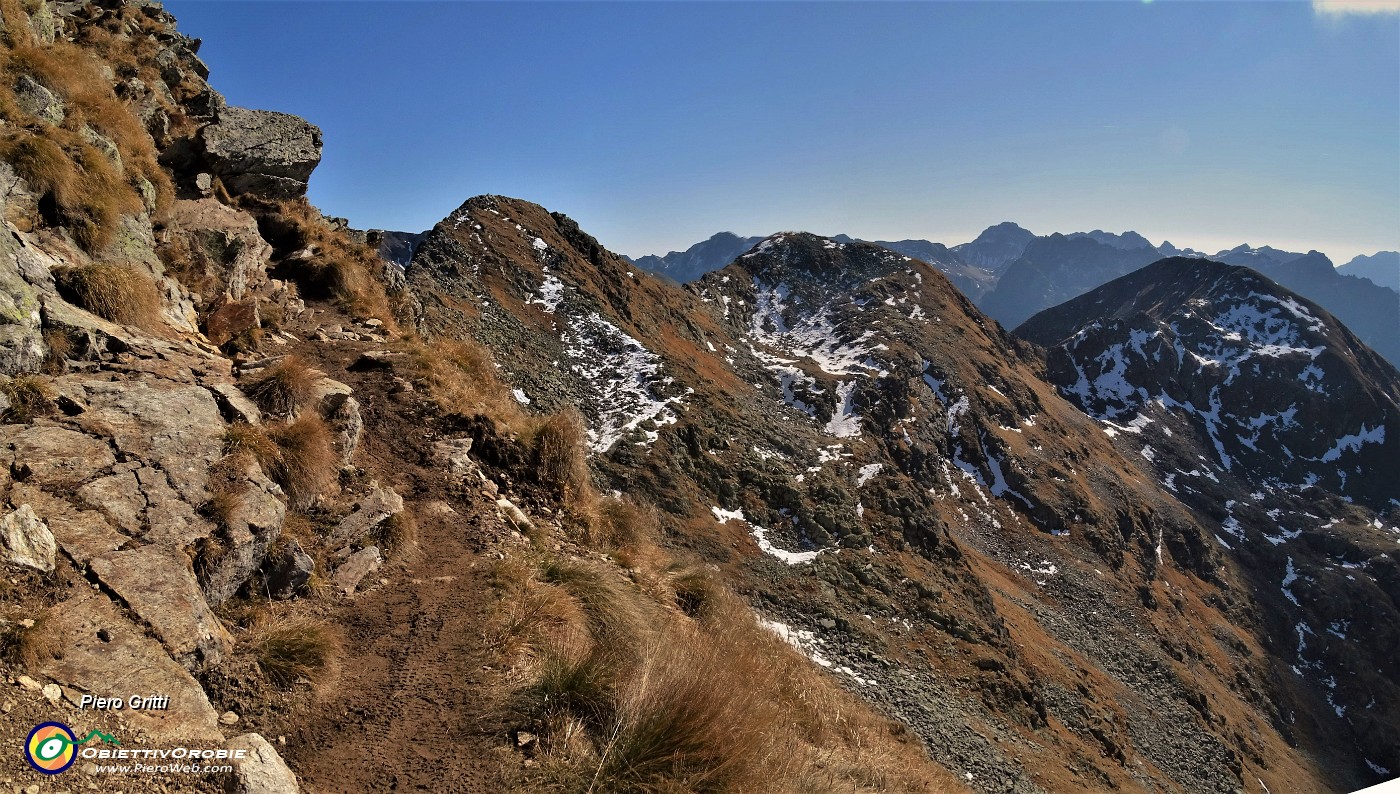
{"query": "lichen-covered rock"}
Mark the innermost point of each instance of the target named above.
(223, 244)
(289, 571)
(262, 152)
(27, 540)
(38, 101)
(251, 527)
(342, 415)
(370, 511)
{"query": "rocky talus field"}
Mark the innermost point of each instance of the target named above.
(501, 511)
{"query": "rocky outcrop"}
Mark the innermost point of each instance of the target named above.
(27, 540)
(262, 152)
(261, 770)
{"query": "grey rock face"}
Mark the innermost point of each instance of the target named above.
(262, 152)
(27, 540)
(262, 770)
(359, 565)
(38, 101)
(370, 511)
(289, 571)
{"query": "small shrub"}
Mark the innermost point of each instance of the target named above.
(560, 459)
(119, 293)
(291, 649)
(306, 466)
(30, 396)
(284, 387)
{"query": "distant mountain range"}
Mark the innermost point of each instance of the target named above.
(1382, 267)
(1011, 273)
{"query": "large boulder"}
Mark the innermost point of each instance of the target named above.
(224, 245)
(262, 152)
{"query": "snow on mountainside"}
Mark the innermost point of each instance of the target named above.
(1262, 412)
(845, 436)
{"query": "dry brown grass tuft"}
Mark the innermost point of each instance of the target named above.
(27, 642)
(292, 649)
(690, 720)
(460, 376)
(560, 455)
(242, 437)
(225, 500)
(30, 396)
(397, 535)
(333, 265)
(306, 466)
(120, 293)
(58, 347)
(283, 388)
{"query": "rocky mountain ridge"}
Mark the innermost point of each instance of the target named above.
(531, 495)
(748, 392)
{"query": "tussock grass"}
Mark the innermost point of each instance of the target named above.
(560, 454)
(306, 464)
(27, 642)
(290, 649)
(58, 347)
(397, 535)
(30, 396)
(334, 266)
(460, 376)
(87, 190)
(283, 388)
(297, 456)
(117, 292)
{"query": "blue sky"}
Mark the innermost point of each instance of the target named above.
(656, 124)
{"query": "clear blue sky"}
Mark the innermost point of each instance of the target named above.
(657, 124)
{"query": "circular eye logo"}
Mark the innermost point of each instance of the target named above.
(51, 747)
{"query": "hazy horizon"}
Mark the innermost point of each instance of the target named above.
(656, 125)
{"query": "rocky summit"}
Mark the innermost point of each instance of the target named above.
(493, 508)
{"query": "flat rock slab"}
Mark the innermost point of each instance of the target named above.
(104, 653)
(82, 534)
(52, 455)
(177, 427)
(162, 591)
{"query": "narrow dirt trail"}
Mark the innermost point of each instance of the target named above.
(406, 711)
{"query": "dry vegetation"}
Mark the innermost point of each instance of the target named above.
(662, 680)
(117, 292)
(283, 388)
(298, 455)
(293, 649)
(86, 189)
(323, 262)
(29, 396)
